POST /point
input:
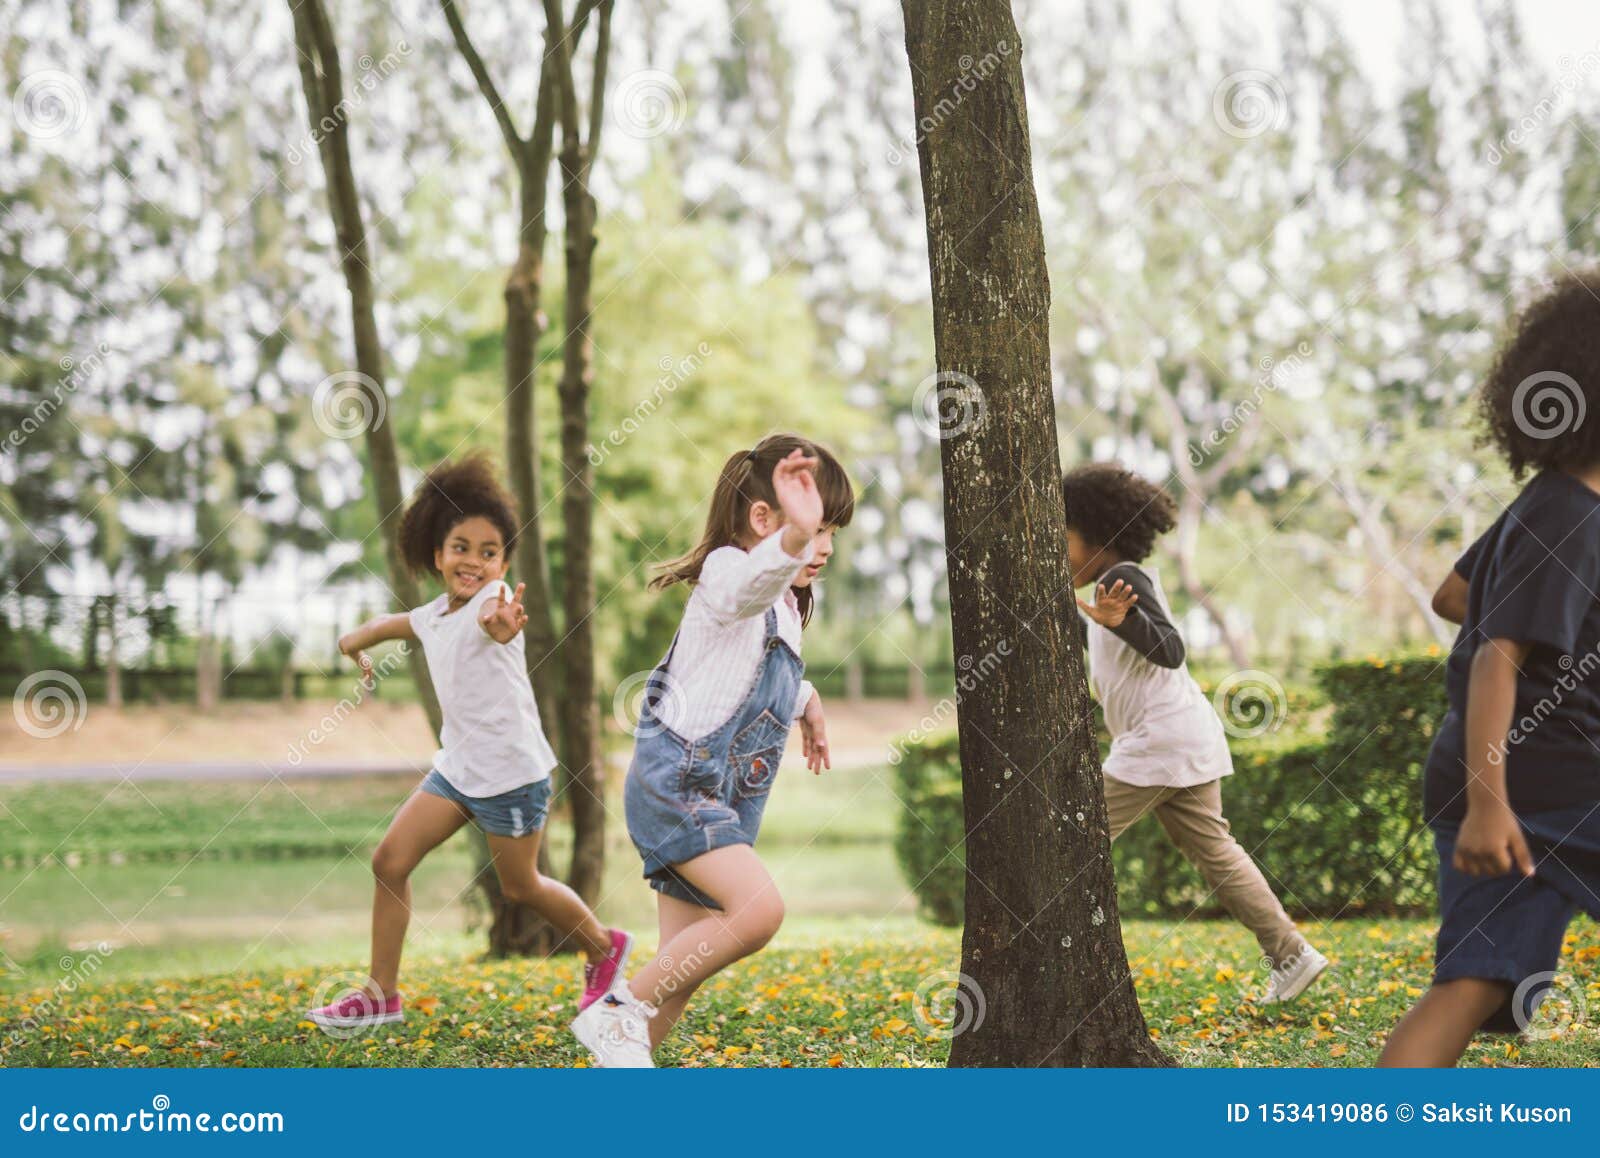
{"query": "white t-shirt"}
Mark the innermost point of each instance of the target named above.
(719, 646)
(1164, 732)
(492, 738)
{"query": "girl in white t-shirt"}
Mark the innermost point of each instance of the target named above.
(493, 764)
(712, 730)
(1169, 752)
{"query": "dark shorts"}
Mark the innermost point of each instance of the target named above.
(1510, 928)
(520, 812)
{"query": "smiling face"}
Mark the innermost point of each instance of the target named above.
(473, 554)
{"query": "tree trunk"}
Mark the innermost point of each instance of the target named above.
(207, 674)
(113, 656)
(515, 930)
(525, 325)
(580, 719)
(1044, 973)
(320, 77)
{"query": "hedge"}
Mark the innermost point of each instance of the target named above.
(1334, 819)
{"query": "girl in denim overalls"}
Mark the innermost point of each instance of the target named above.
(712, 730)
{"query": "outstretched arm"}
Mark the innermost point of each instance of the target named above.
(376, 630)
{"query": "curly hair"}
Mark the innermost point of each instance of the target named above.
(448, 495)
(1541, 399)
(1110, 506)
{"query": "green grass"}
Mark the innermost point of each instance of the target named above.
(213, 962)
(87, 823)
(835, 992)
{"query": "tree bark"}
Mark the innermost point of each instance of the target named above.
(318, 52)
(515, 930)
(580, 719)
(113, 655)
(1045, 975)
(525, 325)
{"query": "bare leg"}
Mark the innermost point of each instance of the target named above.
(675, 917)
(1440, 1026)
(516, 861)
(752, 913)
(423, 823)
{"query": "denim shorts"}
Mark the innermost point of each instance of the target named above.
(516, 813)
(1510, 928)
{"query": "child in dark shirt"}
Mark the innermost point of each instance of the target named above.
(1512, 788)
(1168, 749)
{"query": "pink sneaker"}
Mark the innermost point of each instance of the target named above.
(599, 976)
(359, 1010)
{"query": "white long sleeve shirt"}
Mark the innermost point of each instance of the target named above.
(720, 642)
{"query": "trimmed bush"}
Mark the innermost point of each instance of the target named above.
(1334, 821)
(930, 840)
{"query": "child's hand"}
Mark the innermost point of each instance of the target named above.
(1491, 844)
(501, 618)
(1110, 608)
(814, 733)
(363, 661)
(795, 481)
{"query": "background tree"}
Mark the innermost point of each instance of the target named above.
(318, 54)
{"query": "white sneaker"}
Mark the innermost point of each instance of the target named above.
(616, 1029)
(1293, 976)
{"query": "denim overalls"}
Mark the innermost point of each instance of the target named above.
(684, 799)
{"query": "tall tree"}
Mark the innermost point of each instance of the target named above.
(318, 52)
(1043, 941)
(530, 156)
(580, 721)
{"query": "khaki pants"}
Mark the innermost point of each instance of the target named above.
(1193, 819)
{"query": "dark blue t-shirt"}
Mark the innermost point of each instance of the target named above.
(1534, 577)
